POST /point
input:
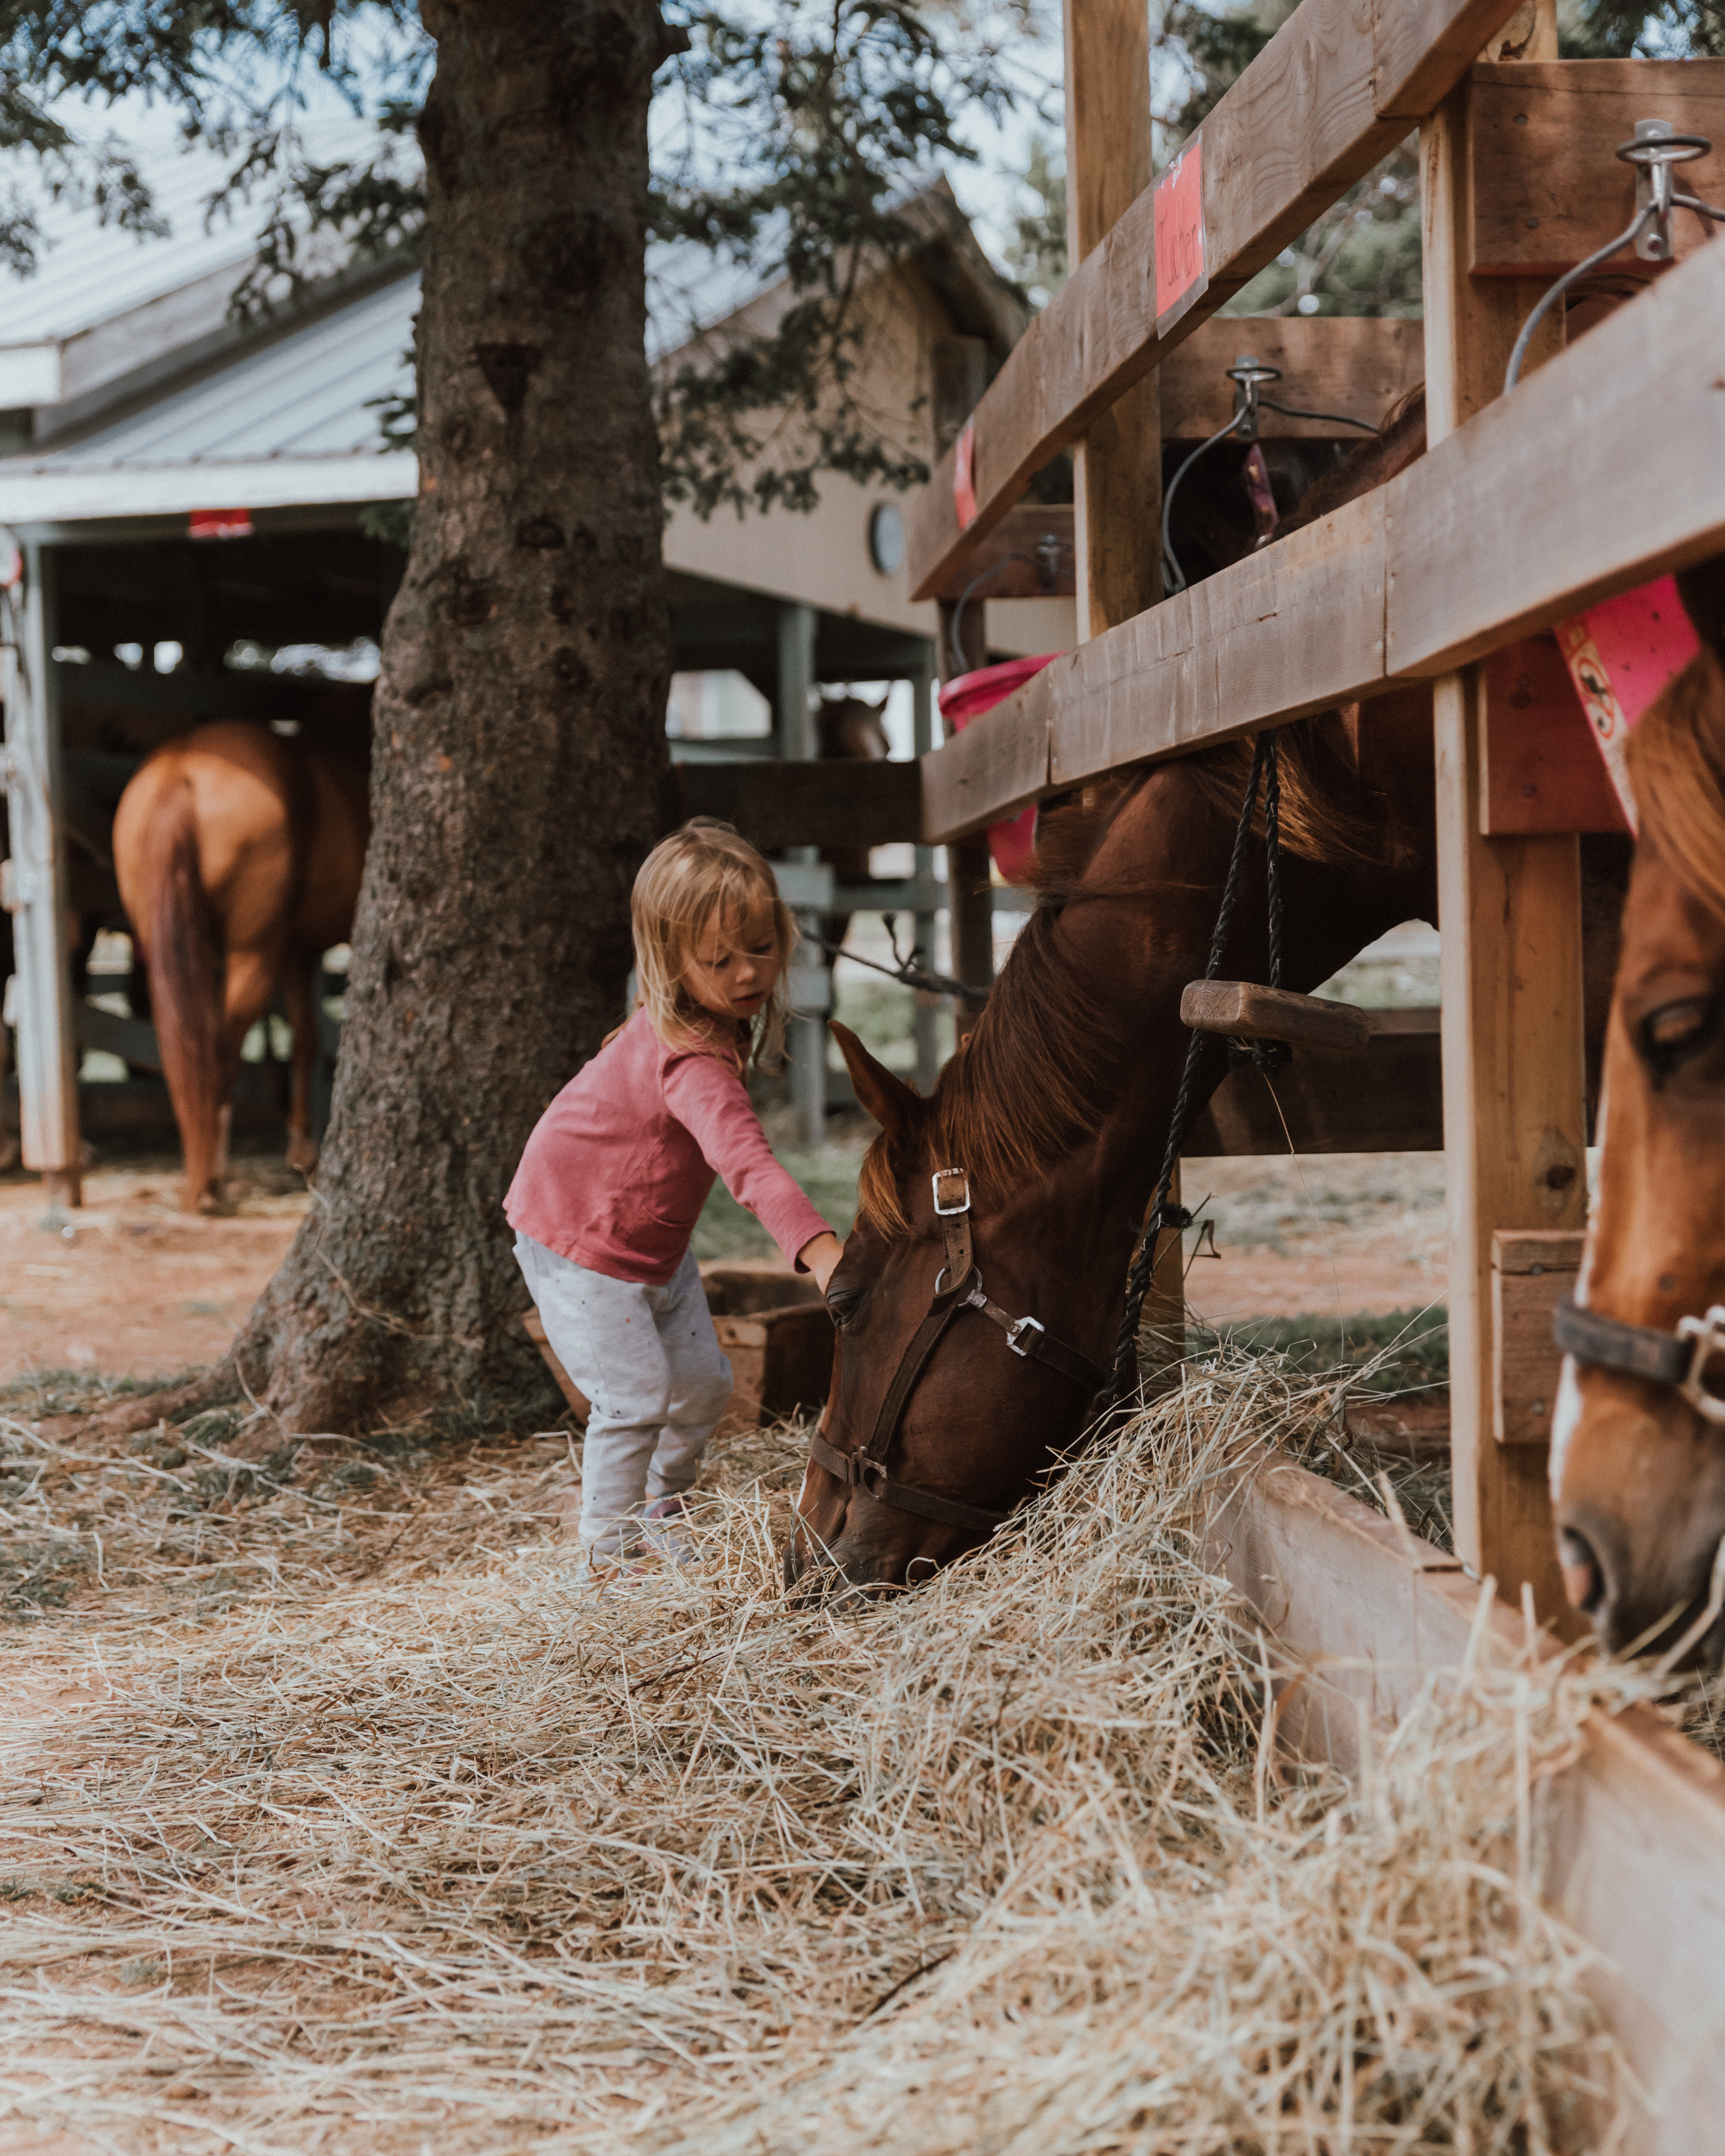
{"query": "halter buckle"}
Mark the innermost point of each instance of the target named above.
(948, 1174)
(1033, 1325)
(1708, 1334)
(858, 1466)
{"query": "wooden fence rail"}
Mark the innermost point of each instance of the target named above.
(1603, 471)
(1332, 93)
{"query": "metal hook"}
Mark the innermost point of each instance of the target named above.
(1248, 375)
(1654, 152)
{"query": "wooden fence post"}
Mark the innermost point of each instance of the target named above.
(960, 377)
(926, 1018)
(1514, 1126)
(795, 717)
(1116, 466)
(970, 871)
(47, 1055)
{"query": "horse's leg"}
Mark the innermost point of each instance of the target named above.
(299, 994)
(251, 984)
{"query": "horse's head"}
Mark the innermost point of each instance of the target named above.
(1638, 1461)
(983, 1418)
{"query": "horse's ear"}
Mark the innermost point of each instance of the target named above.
(888, 1100)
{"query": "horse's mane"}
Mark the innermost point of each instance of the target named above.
(1043, 1068)
(1676, 762)
(1677, 755)
(1039, 1074)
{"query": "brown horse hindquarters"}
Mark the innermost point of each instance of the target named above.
(211, 857)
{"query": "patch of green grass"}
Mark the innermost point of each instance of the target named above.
(727, 1229)
(881, 1014)
(1414, 1345)
(45, 1391)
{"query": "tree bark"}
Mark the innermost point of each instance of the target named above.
(520, 769)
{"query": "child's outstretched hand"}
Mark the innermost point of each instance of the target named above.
(821, 1257)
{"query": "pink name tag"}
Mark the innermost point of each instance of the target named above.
(1622, 654)
(1181, 272)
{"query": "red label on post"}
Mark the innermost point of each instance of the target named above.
(963, 475)
(221, 524)
(1182, 273)
(1622, 655)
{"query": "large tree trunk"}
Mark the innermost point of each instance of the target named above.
(520, 771)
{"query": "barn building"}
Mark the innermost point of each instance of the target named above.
(182, 493)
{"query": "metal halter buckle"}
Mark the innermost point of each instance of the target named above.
(859, 1468)
(1034, 1325)
(946, 1211)
(1708, 1334)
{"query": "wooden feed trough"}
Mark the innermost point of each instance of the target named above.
(771, 1323)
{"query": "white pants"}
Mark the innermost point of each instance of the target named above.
(649, 1360)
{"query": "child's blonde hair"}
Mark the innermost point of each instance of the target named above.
(707, 872)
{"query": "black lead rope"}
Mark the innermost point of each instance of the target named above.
(1164, 1215)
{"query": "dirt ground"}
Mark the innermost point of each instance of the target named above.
(130, 1286)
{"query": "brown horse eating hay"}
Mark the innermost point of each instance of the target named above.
(1638, 1449)
(238, 854)
(938, 1422)
(1057, 1112)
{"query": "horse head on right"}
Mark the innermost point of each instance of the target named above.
(1638, 1452)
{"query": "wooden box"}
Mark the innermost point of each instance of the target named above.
(776, 1330)
(773, 1327)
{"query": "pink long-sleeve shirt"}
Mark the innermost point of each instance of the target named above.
(620, 1164)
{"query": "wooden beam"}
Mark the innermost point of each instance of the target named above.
(1600, 472)
(1389, 1100)
(1547, 189)
(1029, 555)
(807, 805)
(1117, 464)
(35, 881)
(1532, 1273)
(1629, 1832)
(1541, 767)
(1514, 1108)
(1328, 97)
(1358, 364)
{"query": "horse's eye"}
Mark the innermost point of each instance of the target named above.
(1676, 1033)
(844, 1298)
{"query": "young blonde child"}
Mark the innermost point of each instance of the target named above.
(612, 1182)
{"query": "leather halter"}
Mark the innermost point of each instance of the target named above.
(1678, 1359)
(1026, 1337)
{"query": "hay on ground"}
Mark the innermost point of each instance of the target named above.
(344, 1820)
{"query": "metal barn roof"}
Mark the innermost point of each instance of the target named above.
(291, 422)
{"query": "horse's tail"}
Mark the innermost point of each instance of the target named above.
(183, 941)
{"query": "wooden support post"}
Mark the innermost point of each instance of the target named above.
(795, 717)
(1515, 1128)
(970, 872)
(925, 1019)
(960, 377)
(1117, 464)
(35, 893)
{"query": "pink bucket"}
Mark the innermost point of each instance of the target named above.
(966, 697)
